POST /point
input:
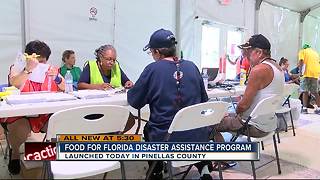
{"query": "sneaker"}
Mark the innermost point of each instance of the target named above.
(206, 177)
(317, 111)
(304, 111)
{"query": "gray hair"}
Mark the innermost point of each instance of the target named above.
(98, 52)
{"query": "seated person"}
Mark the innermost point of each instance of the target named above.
(69, 60)
(288, 77)
(266, 78)
(158, 87)
(19, 127)
(104, 72)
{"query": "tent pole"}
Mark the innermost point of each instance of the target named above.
(256, 16)
(23, 24)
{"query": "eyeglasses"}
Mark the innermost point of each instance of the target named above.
(108, 59)
(149, 52)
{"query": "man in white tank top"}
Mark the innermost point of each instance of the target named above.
(266, 78)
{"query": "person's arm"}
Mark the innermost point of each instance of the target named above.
(232, 62)
(61, 84)
(260, 77)
(84, 81)
(137, 96)
(125, 81)
(19, 79)
(56, 76)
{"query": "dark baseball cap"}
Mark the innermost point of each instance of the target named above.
(256, 41)
(161, 39)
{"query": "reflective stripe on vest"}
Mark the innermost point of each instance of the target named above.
(96, 78)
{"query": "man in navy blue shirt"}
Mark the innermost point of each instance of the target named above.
(168, 85)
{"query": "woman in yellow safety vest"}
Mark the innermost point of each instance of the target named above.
(104, 72)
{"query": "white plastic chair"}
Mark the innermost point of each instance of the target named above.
(193, 117)
(95, 119)
(286, 107)
(266, 106)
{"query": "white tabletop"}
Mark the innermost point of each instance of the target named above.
(220, 92)
(7, 110)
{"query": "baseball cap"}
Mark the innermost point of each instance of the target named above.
(161, 39)
(306, 46)
(256, 41)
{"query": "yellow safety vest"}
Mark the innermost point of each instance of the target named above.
(96, 77)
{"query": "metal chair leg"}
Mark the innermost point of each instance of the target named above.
(170, 170)
(277, 154)
(186, 173)
(253, 170)
(293, 130)
(2, 148)
(123, 172)
(220, 171)
(232, 103)
(278, 136)
(151, 168)
(8, 145)
(105, 175)
(139, 122)
(165, 167)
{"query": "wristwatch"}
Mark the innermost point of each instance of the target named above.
(26, 71)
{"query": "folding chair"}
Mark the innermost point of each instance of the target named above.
(94, 119)
(285, 108)
(266, 106)
(193, 117)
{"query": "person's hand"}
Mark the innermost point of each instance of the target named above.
(52, 72)
(128, 85)
(104, 86)
(31, 64)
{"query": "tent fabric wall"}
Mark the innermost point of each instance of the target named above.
(10, 35)
(190, 31)
(281, 27)
(66, 25)
(311, 32)
(133, 28)
(232, 14)
(115, 24)
(193, 12)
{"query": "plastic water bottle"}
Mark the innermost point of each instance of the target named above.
(242, 76)
(205, 78)
(68, 82)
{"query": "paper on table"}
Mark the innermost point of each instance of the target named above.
(39, 73)
(90, 94)
(38, 98)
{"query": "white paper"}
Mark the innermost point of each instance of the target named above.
(39, 73)
(90, 94)
(36, 97)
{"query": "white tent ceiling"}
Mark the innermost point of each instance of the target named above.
(297, 5)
